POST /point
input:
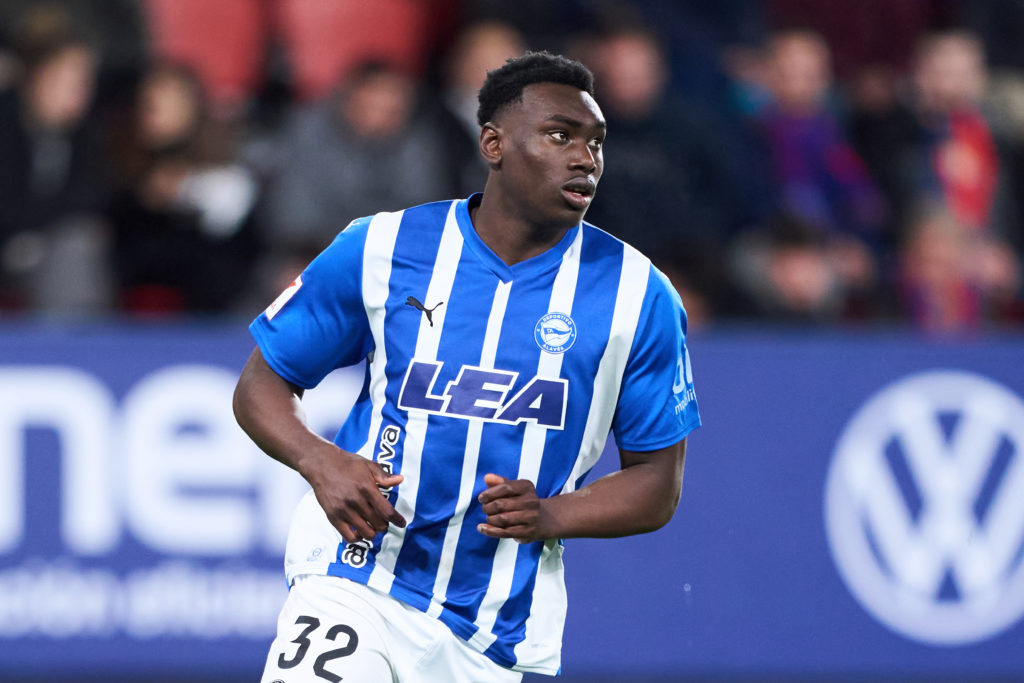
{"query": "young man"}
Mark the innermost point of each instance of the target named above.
(505, 338)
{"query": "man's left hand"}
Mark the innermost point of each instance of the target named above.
(513, 510)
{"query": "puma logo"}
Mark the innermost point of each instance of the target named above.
(429, 312)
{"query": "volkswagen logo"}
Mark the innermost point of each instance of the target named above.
(924, 507)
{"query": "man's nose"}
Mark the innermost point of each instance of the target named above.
(583, 158)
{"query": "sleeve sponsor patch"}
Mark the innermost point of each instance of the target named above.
(283, 298)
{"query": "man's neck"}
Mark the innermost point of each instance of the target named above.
(508, 233)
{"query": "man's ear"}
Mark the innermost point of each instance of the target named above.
(491, 139)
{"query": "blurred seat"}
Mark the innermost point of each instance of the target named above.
(222, 40)
(324, 41)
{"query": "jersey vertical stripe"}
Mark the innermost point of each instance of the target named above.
(546, 586)
(501, 446)
(405, 265)
(550, 365)
(380, 245)
(544, 626)
(636, 270)
(472, 297)
(472, 453)
(427, 341)
(543, 597)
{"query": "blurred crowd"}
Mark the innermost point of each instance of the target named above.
(828, 163)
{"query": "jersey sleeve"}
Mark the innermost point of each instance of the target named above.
(319, 322)
(657, 405)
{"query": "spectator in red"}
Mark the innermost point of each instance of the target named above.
(958, 162)
(933, 143)
(954, 171)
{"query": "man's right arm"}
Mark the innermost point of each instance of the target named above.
(269, 409)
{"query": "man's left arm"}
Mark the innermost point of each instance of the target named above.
(656, 405)
(640, 497)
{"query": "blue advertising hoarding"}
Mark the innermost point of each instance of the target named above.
(853, 506)
(747, 580)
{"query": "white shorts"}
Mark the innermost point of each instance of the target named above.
(333, 629)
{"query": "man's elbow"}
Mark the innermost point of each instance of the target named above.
(659, 512)
(245, 400)
(664, 512)
(240, 403)
(672, 491)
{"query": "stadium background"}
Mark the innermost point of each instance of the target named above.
(832, 186)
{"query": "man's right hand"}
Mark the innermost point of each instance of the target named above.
(348, 488)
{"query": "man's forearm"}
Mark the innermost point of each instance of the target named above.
(346, 485)
(269, 410)
(641, 497)
(638, 499)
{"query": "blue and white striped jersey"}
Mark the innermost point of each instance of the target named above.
(475, 367)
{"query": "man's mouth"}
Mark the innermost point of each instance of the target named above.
(579, 192)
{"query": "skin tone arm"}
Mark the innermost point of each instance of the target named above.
(641, 497)
(347, 486)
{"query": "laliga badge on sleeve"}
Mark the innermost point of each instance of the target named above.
(283, 297)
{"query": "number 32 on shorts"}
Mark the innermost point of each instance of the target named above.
(311, 624)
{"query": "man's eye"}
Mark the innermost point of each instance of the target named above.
(560, 135)
(597, 142)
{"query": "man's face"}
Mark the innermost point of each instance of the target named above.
(551, 153)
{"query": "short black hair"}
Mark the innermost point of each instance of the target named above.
(504, 85)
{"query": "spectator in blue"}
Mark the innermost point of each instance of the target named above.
(669, 191)
(818, 176)
(817, 258)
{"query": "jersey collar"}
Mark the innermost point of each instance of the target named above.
(539, 264)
